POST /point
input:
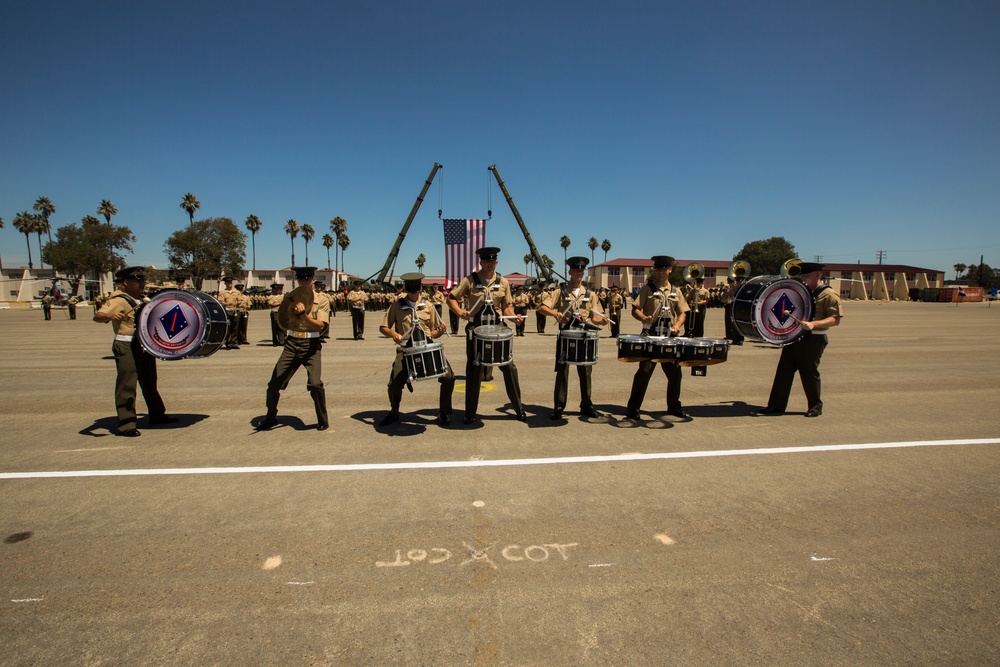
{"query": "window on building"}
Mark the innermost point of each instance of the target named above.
(890, 276)
(614, 272)
(845, 275)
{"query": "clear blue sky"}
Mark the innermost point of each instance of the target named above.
(686, 128)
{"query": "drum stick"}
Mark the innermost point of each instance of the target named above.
(789, 314)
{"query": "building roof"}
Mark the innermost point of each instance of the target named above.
(724, 264)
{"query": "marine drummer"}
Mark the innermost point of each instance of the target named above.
(480, 296)
(572, 306)
(302, 348)
(398, 324)
(662, 310)
(273, 302)
(134, 365)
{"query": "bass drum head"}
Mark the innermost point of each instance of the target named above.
(768, 309)
(176, 324)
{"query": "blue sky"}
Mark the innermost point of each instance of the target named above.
(686, 128)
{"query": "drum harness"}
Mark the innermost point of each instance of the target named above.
(134, 304)
(660, 325)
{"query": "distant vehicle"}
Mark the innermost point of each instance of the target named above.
(992, 295)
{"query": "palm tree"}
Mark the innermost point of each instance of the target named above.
(107, 209)
(959, 270)
(328, 243)
(1, 258)
(343, 242)
(24, 223)
(339, 227)
(592, 244)
(564, 244)
(605, 246)
(527, 260)
(190, 204)
(292, 229)
(421, 260)
(45, 206)
(41, 226)
(307, 233)
(253, 225)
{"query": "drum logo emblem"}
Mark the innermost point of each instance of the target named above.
(782, 308)
(173, 322)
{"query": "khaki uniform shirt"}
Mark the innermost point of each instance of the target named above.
(274, 300)
(357, 299)
(827, 305)
(399, 316)
(320, 308)
(230, 298)
(522, 300)
(114, 305)
(664, 305)
(468, 294)
(615, 301)
(574, 301)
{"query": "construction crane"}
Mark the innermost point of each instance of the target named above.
(548, 275)
(391, 259)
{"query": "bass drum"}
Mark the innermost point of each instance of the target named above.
(177, 324)
(767, 309)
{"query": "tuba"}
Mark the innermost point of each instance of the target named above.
(692, 272)
(739, 270)
(792, 268)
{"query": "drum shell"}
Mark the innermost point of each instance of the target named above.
(425, 362)
(703, 351)
(663, 349)
(633, 348)
(178, 324)
(759, 305)
(577, 347)
(493, 345)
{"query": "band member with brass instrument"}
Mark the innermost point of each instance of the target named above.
(484, 291)
(662, 310)
(134, 365)
(805, 353)
(573, 306)
(615, 304)
(694, 324)
(303, 313)
(408, 322)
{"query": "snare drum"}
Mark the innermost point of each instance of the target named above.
(424, 362)
(760, 304)
(492, 345)
(176, 324)
(577, 347)
(632, 348)
(703, 351)
(662, 348)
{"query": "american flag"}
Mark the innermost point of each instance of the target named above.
(461, 240)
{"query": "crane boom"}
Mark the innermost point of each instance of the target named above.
(391, 259)
(547, 274)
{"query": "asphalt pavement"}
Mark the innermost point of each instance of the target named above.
(867, 536)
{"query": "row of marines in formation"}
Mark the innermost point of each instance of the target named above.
(482, 295)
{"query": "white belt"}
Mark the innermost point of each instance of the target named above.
(124, 339)
(303, 334)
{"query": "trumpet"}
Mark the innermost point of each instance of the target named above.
(739, 270)
(792, 268)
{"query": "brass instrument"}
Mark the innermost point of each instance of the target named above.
(792, 268)
(739, 270)
(288, 319)
(692, 272)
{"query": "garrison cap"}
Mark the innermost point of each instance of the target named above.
(809, 267)
(577, 262)
(133, 272)
(488, 252)
(662, 261)
(304, 272)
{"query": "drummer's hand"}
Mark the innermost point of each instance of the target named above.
(119, 316)
(559, 318)
(648, 319)
(466, 315)
(676, 330)
(518, 319)
(808, 326)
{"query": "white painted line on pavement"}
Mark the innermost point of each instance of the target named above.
(420, 465)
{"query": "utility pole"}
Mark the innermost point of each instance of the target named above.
(880, 255)
(818, 259)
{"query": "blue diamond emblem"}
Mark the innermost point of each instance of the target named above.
(780, 306)
(173, 322)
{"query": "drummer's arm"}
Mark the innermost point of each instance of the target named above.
(456, 308)
(823, 324)
(391, 333)
(679, 322)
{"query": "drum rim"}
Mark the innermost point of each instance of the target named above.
(189, 298)
(755, 305)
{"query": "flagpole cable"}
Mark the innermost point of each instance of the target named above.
(489, 196)
(440, 195)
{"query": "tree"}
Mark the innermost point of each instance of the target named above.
(421, 260)
(328, 243)
(606, 247)
(41, 226)
(91, 246)
(307, 235)
(528, 259)
(107, 209)
(253, 225)
(564, 244)
(592, 244)
(548, 262)
(766, 257)
(339, 227)
(982, 275)
(292, 229)
(190, 204)
(221, 248)
(45, 207)
(1, 259)
(343, 242)
(24, 222)
(959, 269)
